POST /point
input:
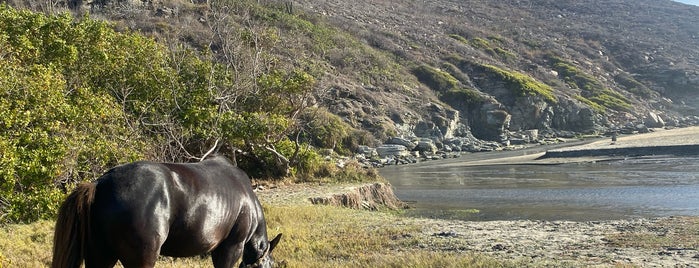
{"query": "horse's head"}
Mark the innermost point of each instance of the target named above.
(263, 260)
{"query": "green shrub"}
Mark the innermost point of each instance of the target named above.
(594, 93)
(633, 86)
(485, 45)
(462, 97)
(325, 130)
(595, 106)
(436, 79)
(481, 43)
(459, 38)
(612, 100)
(358, 137)
(59, 126)
(522, 84)
(32, 205)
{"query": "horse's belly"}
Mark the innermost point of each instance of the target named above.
(196, 238)
(190, 245)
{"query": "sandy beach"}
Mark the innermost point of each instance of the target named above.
(680, 141)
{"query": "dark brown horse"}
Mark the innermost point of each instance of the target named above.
(138, 211)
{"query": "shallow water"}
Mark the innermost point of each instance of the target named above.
(631, 188)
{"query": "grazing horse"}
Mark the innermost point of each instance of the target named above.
(138, 211)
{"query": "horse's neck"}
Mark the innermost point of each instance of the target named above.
(256, 247)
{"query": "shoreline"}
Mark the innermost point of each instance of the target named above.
(573, 243)
(657, 242)
(330, 236)
(659, 142)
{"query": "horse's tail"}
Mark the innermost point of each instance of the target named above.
(72, 227)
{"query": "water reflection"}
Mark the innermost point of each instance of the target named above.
(630, 188)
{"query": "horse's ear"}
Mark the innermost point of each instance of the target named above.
(274, 242)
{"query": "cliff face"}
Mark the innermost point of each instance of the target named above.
(556, 66)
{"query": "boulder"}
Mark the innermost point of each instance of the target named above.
(426, 146)
(367, 151)
(529, 112)
(574, 116)
(454, 144)
(491, 122)
(652, 120)
(641, 128)
(409, 145)
(427, 130)
(443, 122)
(392, 150)
(532, 135)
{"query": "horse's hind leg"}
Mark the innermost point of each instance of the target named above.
(138, 249)
(99, 253)
(99, 259)
(143, 254)
(100, 263)
(147, 259)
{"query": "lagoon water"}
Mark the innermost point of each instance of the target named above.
(623, 189)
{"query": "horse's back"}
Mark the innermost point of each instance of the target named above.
(185, 208)
(132, 188)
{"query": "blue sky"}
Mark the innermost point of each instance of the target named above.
(691, 2)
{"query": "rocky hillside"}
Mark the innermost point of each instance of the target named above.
(498, 67)
(462, 69)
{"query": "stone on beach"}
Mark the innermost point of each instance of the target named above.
(387, 150)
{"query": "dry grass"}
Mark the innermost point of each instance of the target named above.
(327, 236)
(314, 236)
(26, 245)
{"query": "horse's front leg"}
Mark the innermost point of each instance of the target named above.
(226, 254)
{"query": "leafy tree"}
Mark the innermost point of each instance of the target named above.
(269, 118)
(61, 123)
(77, 97)
(60, 120)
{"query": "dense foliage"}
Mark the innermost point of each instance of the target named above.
(60, 122)
(78, 97)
